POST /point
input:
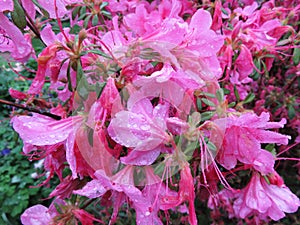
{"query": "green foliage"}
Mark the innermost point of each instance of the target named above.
(16, 192)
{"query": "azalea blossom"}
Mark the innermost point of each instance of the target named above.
(41, 130)
(242, 141)
(122, 186)
(143, 129)
(265, 200)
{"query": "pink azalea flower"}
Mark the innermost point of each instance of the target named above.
(141, 128)
(122, 186)
(186, 193)
(166, 83)
(243, 138)
(41, 215)
(6, 5)
(43, 60)
(40, 130)
(202, 43)
(12, 40)
(56, 9)
(37, 214)
(265, 200)
(244, 62)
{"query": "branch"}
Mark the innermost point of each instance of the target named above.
(30, 109)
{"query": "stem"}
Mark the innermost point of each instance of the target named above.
(88, 202)
(60, 24)
(5, 102)
(32, 26)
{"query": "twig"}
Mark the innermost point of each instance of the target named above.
(31, 109)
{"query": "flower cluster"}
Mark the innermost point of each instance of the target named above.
(152, 106)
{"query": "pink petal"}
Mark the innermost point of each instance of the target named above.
(92, 189)
(29, 8)
(36, 215)
(6, 5)
(49, 6)
(141, 158)
(20, 48)
(42, 130)
(201, 21)
(244, 62)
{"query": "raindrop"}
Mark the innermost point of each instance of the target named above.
(145, 127)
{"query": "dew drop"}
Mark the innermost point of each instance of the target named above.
(145, 127)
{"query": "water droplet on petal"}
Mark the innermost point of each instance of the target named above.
(145, 127)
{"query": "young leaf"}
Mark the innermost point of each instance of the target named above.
(199, 104)
(249, 98)
(296, 55)
(18, 15)
(95, 20)
(220, 95)
(207, 115)
(236, 93)
(208, 102)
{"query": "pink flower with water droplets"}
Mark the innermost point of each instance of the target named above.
(142, 128)
(12, 40)
(265, 200)
(243, 138)
(41, 130)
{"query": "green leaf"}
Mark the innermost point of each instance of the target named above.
(236, 93)
(83, 88)
(82, 11)
(97, 52)
(220, 95)
(69, 78)
(291, 112)
(75, 12)
(211, 146)
(79, 71)
(249, 98)
(207, 115)
(270, 147)
(255, 75)
(296, 55)
(207, 94)
(226, 91)
(18, 15)
(44, 12)
(103, 5)
(231, 104)
(15, 179)
(86, 21)
(199, 104)
(208, 102)
(95, 20)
